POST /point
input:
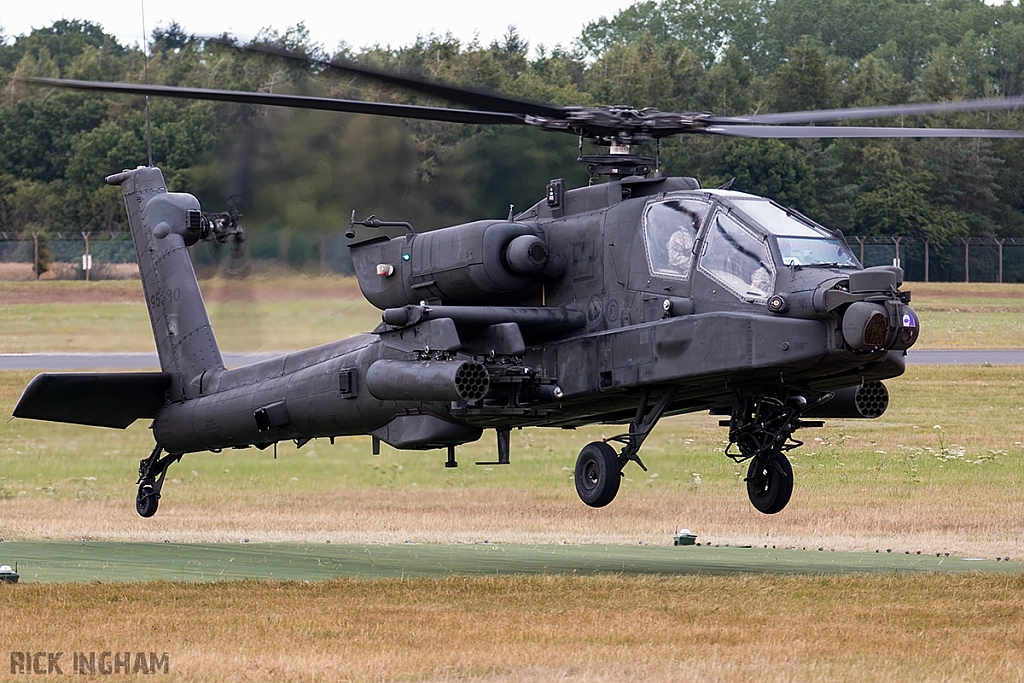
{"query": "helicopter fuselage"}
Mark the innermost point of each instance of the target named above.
(571, 313)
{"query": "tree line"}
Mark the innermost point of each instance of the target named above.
(297, 175)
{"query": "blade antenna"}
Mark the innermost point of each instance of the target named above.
(145, 69)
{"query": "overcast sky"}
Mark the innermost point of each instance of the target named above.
(359, 23)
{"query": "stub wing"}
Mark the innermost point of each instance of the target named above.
(100, 399)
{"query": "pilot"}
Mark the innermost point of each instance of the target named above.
(680, 247)
(761, 280)
(680, 244)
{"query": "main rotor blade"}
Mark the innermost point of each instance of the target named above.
(857, 132)
(466, 96)
(991, 104)
(292, 101)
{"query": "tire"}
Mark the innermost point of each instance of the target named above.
(598, 474)
(146, 502)
(769, 489)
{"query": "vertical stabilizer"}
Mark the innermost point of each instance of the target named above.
(163, 224)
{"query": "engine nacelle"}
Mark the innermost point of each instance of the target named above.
(464, 264)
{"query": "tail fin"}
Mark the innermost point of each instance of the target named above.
(163, 224)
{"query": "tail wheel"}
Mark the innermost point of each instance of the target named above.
(598, 474)
(770, 483)
(147, 500)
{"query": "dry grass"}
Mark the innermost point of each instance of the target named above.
(69, 271)
(609, 628)
(971, 522)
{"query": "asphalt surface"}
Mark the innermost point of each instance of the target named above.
(148, 361)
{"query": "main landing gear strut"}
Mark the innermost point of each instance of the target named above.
(152, 471)
(599, 468)
(762, 427)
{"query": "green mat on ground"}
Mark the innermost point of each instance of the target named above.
(55, 561)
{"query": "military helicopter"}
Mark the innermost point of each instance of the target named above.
(616, 303)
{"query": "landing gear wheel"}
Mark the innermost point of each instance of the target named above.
(152, 472)
(598, 474)
(147, 500)
(770, 483)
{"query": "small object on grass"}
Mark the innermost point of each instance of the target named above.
(888, 550)
(684, 537)
(8, 575)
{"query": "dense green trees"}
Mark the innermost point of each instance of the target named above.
(301, 173)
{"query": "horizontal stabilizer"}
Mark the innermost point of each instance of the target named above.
(101, 399)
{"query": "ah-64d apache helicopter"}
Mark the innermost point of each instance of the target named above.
(616, 303)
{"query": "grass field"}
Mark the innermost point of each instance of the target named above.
(942, 471)
(288, 313)
(601, 628)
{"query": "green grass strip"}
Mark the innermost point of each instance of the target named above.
(54, 561)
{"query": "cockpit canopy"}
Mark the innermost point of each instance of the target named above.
(738, 240)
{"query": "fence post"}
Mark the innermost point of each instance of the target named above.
(967, 259)
(896, 262)
(1000, 242)
(35, 254)
(926, 260)
(861, 240)
(86, 265)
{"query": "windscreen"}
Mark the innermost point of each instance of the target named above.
(802, 243)
(738, 259)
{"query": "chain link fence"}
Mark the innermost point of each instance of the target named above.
(975, 259)
(60, 254)
(106, 256)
